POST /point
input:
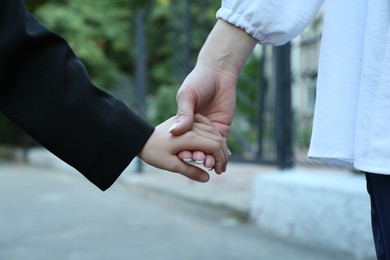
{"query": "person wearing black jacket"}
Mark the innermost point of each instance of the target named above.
(46, 90)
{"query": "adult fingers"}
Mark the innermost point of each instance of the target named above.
(220, 161)
(191, 172)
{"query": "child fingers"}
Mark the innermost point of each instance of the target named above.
(212, 148)
(198, 156)
(207, 159)
(185, 155)
(209, 162)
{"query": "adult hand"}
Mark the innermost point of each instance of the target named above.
(210, 92)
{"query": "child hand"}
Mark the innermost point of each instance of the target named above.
(162, 148)
(201, 159)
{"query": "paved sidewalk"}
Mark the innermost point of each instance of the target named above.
(229, 196)
(60, 215)
(229, 191)
(282, 202)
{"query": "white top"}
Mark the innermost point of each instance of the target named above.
(351, 124)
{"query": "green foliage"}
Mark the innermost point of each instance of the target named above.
(166, 38)
(101, 34)
(162, 105)
(98, 31)
(166, 48)
(247, 89)
(160, 52)
(246, 117)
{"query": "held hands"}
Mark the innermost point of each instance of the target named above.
(211, 92)
(210, 88)
(162, 149)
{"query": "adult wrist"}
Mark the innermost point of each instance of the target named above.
(227, 48)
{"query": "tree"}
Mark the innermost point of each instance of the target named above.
(101, 33)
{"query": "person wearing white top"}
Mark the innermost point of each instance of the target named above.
(351, 124)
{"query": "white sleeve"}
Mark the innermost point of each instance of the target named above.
(270, 21)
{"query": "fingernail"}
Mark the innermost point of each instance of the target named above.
(187, 159)
(173, 126)
(204, 177)
(199, 162)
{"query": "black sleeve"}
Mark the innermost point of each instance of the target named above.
(46, 90)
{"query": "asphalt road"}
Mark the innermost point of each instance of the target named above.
(48, 214)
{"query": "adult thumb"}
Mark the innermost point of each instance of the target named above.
(185, 116)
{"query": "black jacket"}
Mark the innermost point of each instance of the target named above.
(45, 89)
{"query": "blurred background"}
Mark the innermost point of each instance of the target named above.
(140, 52)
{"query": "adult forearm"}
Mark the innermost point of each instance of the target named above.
(227, 48)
